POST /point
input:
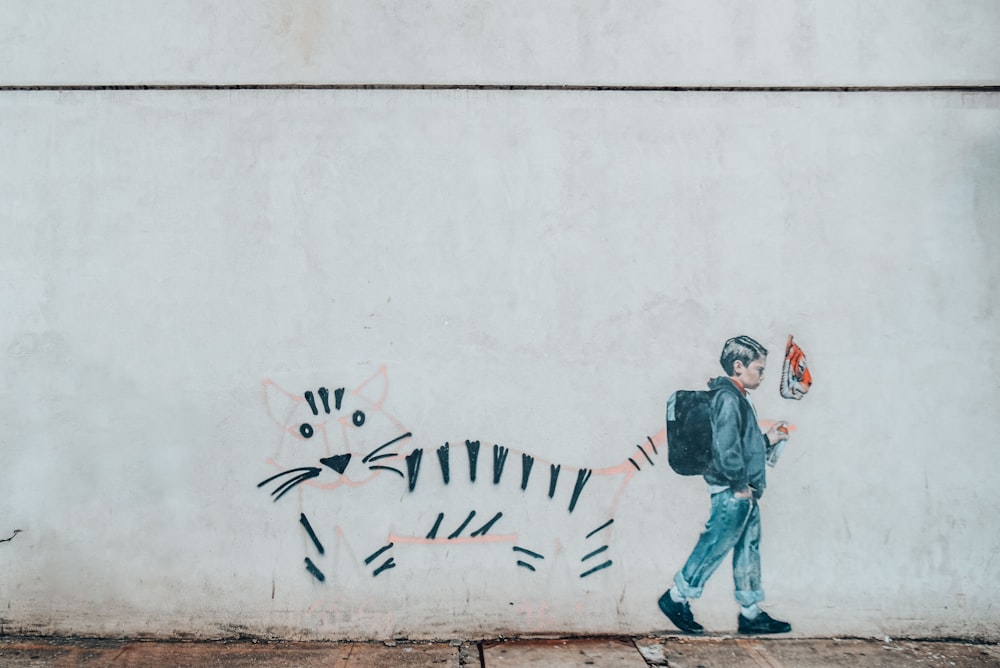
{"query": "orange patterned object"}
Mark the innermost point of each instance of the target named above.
(795, 377)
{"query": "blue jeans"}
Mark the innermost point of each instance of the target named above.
(734, 524)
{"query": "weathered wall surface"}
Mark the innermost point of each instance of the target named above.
(533, 270)
(651, 42)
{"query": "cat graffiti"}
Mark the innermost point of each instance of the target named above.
(337, 438)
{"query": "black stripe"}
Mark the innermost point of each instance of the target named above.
(443, 459)
(378, 552)
(413, 466)
(528, 552)
(473, 448)
(386, 566)
(437, 525)
(312, 534)
(481, 531)
(595, 552)
(527, 461)
(457, 532)
(553, 478)
(603, 526)
(596, 568)
(317, 573)
(581, 479)
(499, 459)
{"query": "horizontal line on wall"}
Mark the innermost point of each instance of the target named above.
(992, 88)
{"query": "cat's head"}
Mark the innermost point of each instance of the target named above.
(332, 436)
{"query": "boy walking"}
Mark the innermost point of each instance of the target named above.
(736, 479)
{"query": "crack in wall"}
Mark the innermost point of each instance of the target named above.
(7, 540)
(931, 88)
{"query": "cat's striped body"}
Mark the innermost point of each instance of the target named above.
(467, 493)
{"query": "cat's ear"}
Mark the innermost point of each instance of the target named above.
(376, 388)
(280, 402)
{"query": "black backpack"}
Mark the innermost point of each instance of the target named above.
(689, 431)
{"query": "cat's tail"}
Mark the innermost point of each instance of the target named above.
(644, 455)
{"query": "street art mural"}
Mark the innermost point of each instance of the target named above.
(437, 494)
(716, 433)
(346, 439)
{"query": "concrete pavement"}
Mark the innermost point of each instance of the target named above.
(674, 651)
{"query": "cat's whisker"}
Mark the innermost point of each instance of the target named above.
(289, 485)
(370, 455)
(387, 468)
(278, 475)
(304, 473)
(387, 455)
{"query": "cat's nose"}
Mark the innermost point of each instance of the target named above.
(338, 462)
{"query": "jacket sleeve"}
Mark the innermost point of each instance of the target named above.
(727, 447)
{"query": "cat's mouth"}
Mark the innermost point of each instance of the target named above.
(338, 462)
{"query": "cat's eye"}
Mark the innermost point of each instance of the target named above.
(358, 418)
(306, 430)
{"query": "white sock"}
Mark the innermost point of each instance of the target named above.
(675, 596)
(750, 611)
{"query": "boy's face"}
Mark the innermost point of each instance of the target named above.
(750, 375)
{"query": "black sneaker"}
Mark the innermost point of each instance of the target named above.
(762, 623)
(680, 615)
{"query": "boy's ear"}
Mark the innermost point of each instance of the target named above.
(376, 388)
(280, 402)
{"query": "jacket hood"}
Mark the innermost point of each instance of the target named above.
(723, 383)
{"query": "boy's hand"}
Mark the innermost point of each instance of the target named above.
(777, 433)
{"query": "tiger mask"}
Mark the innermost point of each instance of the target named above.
(795, 376)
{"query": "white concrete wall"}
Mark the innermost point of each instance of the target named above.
(534, 269)
(643, 42)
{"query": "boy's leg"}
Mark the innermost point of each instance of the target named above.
(746, 576)
(725, 526)
(746, 562)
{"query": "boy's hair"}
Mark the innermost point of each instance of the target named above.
(741, 348)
